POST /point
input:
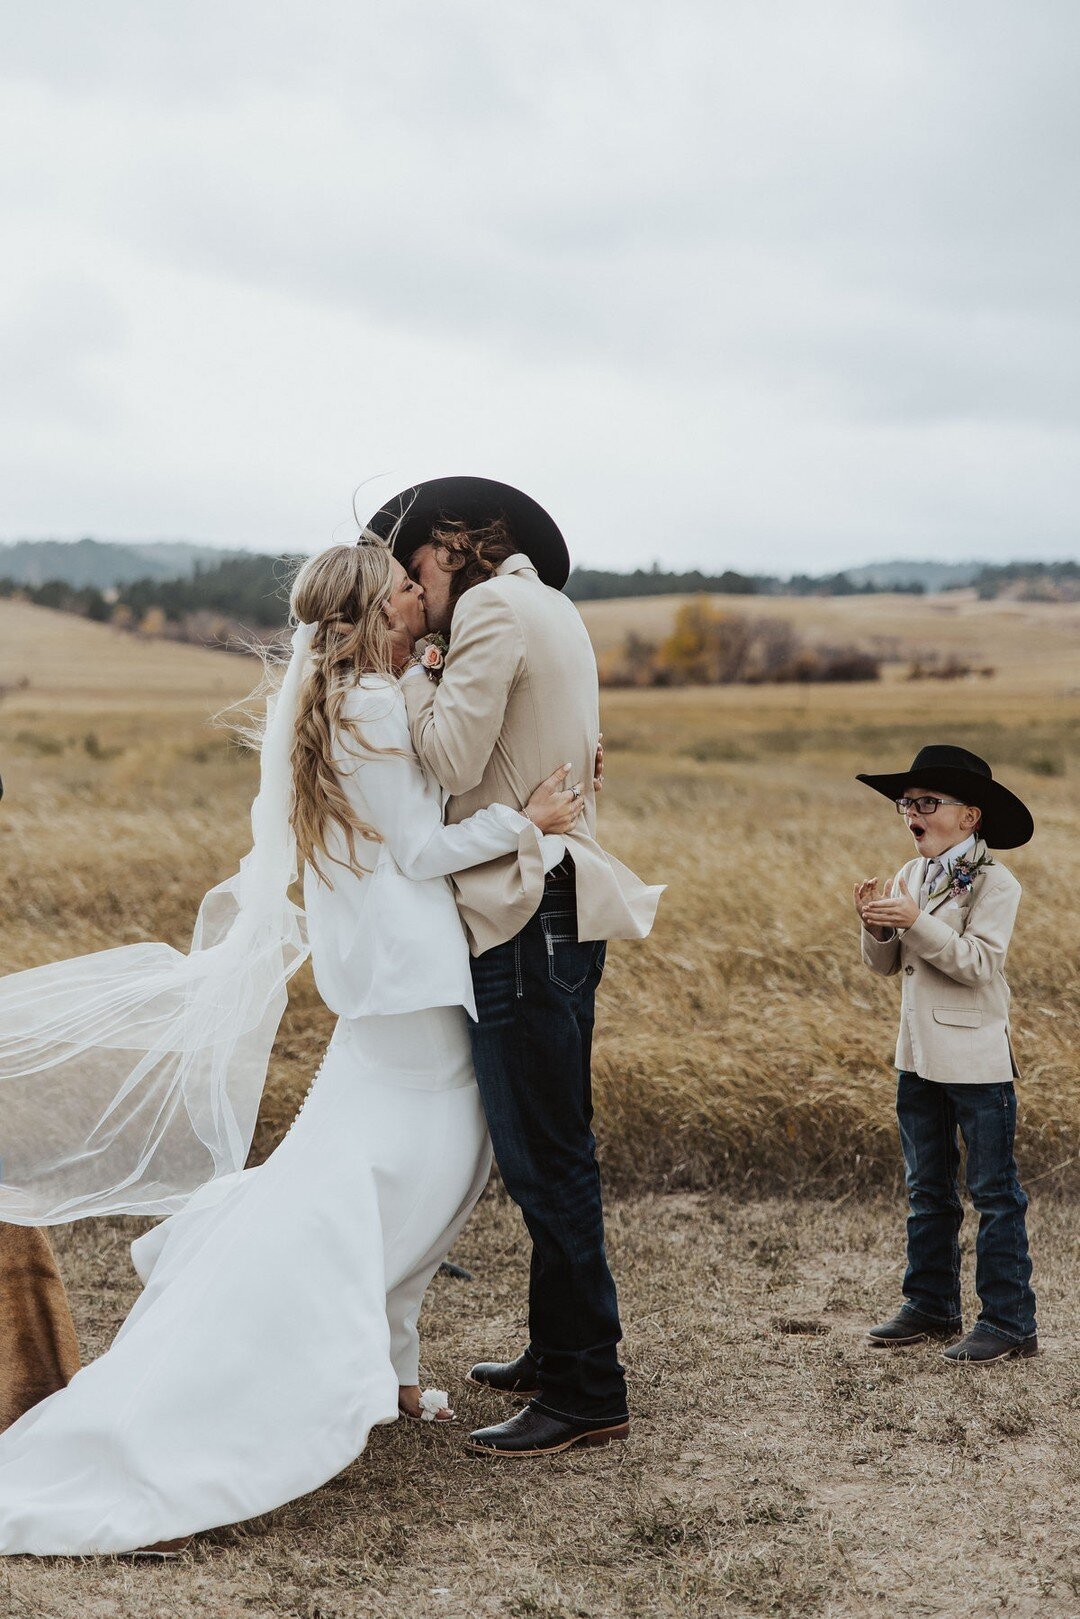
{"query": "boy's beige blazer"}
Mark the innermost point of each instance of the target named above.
(954, 1012)
(518, 697)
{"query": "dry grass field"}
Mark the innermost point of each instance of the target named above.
(1028, 642)
(744, 1090)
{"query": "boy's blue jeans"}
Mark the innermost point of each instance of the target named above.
(532, 1047)
(929, 1115)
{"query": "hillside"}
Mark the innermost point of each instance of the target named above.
(1034, 646)
(183, 579)
(88, 668)
(102, 565)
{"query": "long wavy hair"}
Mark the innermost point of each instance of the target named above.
(471, 555)
(343, 590)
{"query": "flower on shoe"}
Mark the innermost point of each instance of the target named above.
(432, 1401)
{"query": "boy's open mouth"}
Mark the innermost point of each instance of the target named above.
(917, 829)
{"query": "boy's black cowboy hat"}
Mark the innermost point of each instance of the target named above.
(1006, 822)
(411, 515)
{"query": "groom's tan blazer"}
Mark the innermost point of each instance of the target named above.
(519, 696)
(954, 1011)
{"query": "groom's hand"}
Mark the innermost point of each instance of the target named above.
(598, 767)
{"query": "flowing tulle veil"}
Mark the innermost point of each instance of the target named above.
(130, 1077)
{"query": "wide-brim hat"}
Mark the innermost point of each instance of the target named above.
(409, 517)
(1006, 821)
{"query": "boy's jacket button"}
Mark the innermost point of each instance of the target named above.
(909, 969)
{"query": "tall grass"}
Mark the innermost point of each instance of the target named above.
(743, 1042)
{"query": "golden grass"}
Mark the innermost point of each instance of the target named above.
(744, 1039)
(742, 1047)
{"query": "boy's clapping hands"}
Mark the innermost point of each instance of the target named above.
(880, 915)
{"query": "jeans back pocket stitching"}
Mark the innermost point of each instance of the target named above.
(571, 989)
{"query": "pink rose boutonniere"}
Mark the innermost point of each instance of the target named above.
(432, 653)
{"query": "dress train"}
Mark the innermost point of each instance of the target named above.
(278, 1315)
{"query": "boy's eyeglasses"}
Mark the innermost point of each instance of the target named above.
(923, 806)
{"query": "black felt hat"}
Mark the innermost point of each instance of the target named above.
(411, 516)
(1006, 822)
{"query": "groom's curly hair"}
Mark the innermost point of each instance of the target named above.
(474, 554)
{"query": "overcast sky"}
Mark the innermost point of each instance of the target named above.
(755, 283)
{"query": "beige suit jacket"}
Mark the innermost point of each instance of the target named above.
(518, 697)
(954, 1011)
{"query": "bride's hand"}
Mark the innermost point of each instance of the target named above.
(554, 808)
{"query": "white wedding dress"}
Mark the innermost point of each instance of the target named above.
(279, 1312)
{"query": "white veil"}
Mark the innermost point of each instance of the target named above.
(130, 1077)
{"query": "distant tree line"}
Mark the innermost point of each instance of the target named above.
(1030, 581)
(598, 584)
(216, 605)
(86, 600)
(253, 590)
(226, 603)
(840, 584)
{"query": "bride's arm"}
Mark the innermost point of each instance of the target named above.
(388, 790)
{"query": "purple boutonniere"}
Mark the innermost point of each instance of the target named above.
(959, 880)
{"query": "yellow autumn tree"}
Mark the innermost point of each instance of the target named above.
(707, 646)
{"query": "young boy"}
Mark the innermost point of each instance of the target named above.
(945, 922)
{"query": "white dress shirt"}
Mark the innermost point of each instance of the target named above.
(389, 939)
(938, 865)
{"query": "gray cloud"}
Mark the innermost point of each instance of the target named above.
(746, 275)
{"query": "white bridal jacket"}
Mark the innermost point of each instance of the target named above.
(389, 939)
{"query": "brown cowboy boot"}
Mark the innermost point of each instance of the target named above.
(39, 1352)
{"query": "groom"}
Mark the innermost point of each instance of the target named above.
(518, 690)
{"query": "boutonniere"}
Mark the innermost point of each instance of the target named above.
(432, 652)
(959, 880)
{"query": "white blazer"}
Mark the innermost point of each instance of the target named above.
(390, 940)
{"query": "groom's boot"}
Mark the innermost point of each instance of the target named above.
(519, 1377)
(534, 1433)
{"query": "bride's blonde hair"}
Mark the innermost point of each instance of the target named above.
(343, 592)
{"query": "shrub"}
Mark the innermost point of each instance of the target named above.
(714, 646)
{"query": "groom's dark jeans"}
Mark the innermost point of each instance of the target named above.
(929, 1116)
(535, 996)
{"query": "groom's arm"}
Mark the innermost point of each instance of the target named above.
(455, 724)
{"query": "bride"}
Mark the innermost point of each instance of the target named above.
(278, 1319)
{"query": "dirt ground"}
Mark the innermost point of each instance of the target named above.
(776, 1465)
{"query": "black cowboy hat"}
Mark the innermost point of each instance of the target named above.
(410, 517)
(1006, 822)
